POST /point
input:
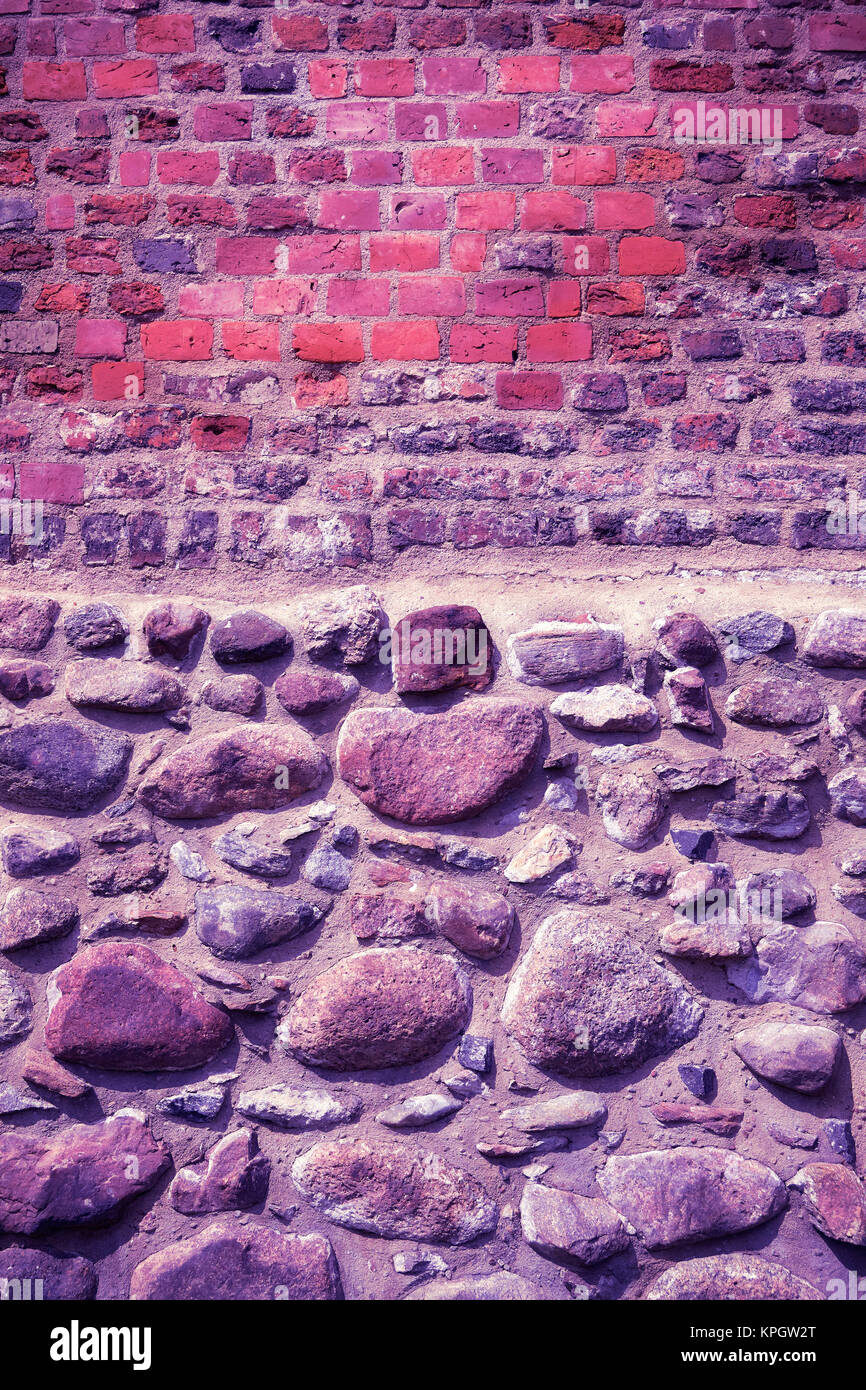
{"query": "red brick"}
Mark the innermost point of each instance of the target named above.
(191, 210)
(199, 167)
(310, 394)
(136, 77)
(468, 250)
(617, 210)
(323, 253)
(558, 342)
(86, 38)
(615, 299)
(485, 212)
(511, 298)
(114, 381)
(377, 168)
(617, 119)
(500, 165)
(775, 210)
(552, 212)
(366, 34)
(249, 255)
(651, 256)
(472, 342)
(300, 33)
(453, 75)
(421, 120)
(418, 212)
(184, 340)
(134, 168)
(529, 390)
(432, 294)
(394, 341)
(651, 166)
(602, 74)
(586, 165)
(487, 119)
(100, 338)
(51, 482)
(563, 298)
(220, 433)
(252, 342)
(328, 79)
(529, 74)
(403, 251)
(285, 296)
(40, 38)
(232, 120)
(349, 212)
(59, 212)
(360, 298)
(166, 33)
(443, 165)
(53, 82)
(837, 33)
(587, 255)
(358, 120)
(437, 31)
(328, 342)
(198, 77)
(385, 77)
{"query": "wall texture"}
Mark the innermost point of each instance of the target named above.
(325, 972)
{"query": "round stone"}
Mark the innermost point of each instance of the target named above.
(248, 636)
(96, 625)
(55, 765)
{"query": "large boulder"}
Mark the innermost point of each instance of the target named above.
(426, 769)
(117, 1005)
(249, 768)
(378, 1008)
(587, 1001)
(227, 1263)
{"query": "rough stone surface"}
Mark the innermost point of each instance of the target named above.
(394, 1191)
(248, 636)
(225, 1262)
(551, 653)
(737, 1277)
(28, 851)
(236, 922)
(49, 1276)
(837, 637)
(16, 1008)
(233, 1176)
(564, 1022)
(137, 686)
(54, 765)
(790, 1052)
(774, 701)
(835, 1199)
(29, 916)
(607, 709)
(425, 769)
(564, 1225)
(379, 1008)
(95, 625)
(241, 769)
(821, 967)
(633, 803)
(347, 624)
(27, 624)
(441, 648)
(171, 628)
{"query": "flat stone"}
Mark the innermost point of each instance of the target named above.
(41, 1069)
(821, 967)
(14, 1101)
(700, 1081)
(138, 871)
(840, 1139)
(713, 939)
(429, 768)
(228, 1262)
(441, 648)
(475, 919)
(852, 898)
(775, 702)
(692, 843)
(564, 1022)
(683, 1194)
(201, 1102)
(799, 1055)
(606, 709)
(16, 1008)
(416, 1111)
(235, 922)
(55, 765)
(551, 653)
(232, 1176)
(294, 1108)
(475, 1053)
(118, 1006)
(565, 1226)
(311, 692)
(753, 633)
(561, 794)
(251, 856)
(23, 679)
(42, 1274)
(692, 887)
(780, 761)
(633, 803)
(689, 700)
(574, 1110)
(835, 1200)
(721, 1120)
(347, 623)
(683, 639)
(773, 894)
(723, 1278)
(31, 850)
(95, 625)
(395, 1191)
(769, 815)
(82, 1176)
(248, 636)
(500, 1287)
(29, 917)
(378, 1008)
(699, 772)
(171, 628)
(249, 768)
(27, 623)
(837, 637)
(233, 694)
(189, 863)
(578, 887)
(848, 795)
(645, 881)
(548, 850)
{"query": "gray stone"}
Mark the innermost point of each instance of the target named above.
(16, 1008)
(96, 625)
(633, 803)
(837, 637)
(606, 709)
(737, 1277)
(821, 967)
(416, 1111)
(29, 917)
(245, 853)
(770, 815)
(55, 765)
(346, 623)
(550, 653)
(790, 1052)
(293, 1108)
(235, 922)
(564, 1226)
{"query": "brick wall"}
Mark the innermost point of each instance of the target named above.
(321, 283)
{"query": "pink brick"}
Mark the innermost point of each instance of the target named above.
(563, 298)
(529, 73)
(230, 120)
(468, 250)
(165, 33)
(500, 165)
(327, 253)
(432, 294)
(471, 342)
(602, 73)
(51, 482)
(136, 77)
(618, 119)
(115, 381)
(328, 342)
(359, 298)
(552, 211)
(617, 210)
(529, 390)
(100, 338)
(586, 255)
(651, 256)
(485, 211)
(86, 38)
(134, 168)
(385, 77)
(421, 120)
(348, 212)
(418, 212)
(452, 75)
(584, 164)
(53, 82)
(199, 167)
(403, 251)
(328, 79)
(59, 212)
(285, 296)
(376, 167)
(558, 342)
(252, 342)
(358, 120)
(184, 340)
(442, 165)
(487, 119)
(211, 301)
(249, 255)
(394, 341)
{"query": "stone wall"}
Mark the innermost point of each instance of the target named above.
(432, 772)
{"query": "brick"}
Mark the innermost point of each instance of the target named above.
(135, 77)
(437, 31)
(168, 33)
(605, 74)
(589, 255)
(563, 298)
(485, 212)
(487, 119)
(300, 33)
(443, 165)
(328, 342)
(328, 78)
(618, 120)
(211, 301)
(385, 77)
(432, 294)
(588, 165)
(185, 340)
(360, 298)
(251, 255)
(500, 165)
(468, 250)
(285, 296)
(232, 120)
(651, 256)
(591, 34)
(114, 381)
(53, 82)
(51, 482)
(252, 342)
(349, 212)
(394, 341)
(403, 251)
(552, 211)
(134, 168)
(200, 167)
(529, 390)
(220, 433)
(368, 34)
(378, 168)
(558, 342)
(453, 75)
(530, 73)
(482, 343)
(421, 120)
(358, 120)
(511, 298)
(329, 253)
(419, 211)
(93, 37)
(100, 338)
(838, 33)
(619, 210)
